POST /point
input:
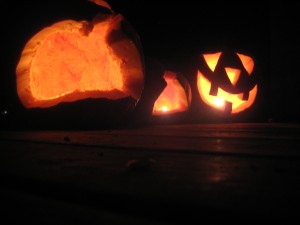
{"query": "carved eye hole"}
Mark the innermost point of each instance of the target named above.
(247, 62)
(212, 60)
(232, 73)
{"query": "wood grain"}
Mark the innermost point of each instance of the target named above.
(193, 172)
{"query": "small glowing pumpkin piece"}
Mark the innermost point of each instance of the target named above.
(176, 97)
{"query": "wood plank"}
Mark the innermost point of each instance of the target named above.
(192, 172)
(187, 185)
(276, 140)
(231, 130)
(19, 207)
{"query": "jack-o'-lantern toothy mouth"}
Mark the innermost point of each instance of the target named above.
(224, 100)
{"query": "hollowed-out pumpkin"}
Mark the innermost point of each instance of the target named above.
(227, 81)
(176, 96)
(74, 60)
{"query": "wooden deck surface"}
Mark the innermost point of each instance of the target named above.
(170, 174)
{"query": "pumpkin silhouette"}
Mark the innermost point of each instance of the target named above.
(227, 81)
(90, 68)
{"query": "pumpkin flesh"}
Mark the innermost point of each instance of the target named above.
(173, 99)
(67, 62)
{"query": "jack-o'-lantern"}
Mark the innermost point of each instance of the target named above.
(71, 61)
(176, 96)
(227, 81)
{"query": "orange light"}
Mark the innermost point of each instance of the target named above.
(174, 98)
(73, 60)
(238, 104)
(219, 101)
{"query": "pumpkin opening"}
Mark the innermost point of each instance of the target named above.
(71, 60)
(65, 63)
(174, 98)
(232, 102)
(233, 74)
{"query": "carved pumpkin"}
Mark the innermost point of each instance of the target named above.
(176, 97)
(81, 74)
(227, 81)
(74, 60)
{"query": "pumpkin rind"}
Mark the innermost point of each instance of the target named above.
(124, 54)
(175, 98)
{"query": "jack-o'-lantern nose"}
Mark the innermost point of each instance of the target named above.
(233, 74)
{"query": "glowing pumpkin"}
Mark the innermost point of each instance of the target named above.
(227, 81)
(74, 60)
(176, 97)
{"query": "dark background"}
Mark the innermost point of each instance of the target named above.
(175, 35)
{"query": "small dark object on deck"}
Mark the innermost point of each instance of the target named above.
(67, 139)
(140, 164)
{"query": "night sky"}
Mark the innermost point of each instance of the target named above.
(175, 34)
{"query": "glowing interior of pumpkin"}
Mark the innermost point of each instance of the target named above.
(63, 63)
(173, 98)
(223, 97)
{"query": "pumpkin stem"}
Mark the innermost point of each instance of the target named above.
(102, 3)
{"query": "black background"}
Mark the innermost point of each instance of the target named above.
(175, 34)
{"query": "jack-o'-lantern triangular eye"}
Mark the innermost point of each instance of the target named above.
(212, 60)
(233, 74)
(248, 63)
